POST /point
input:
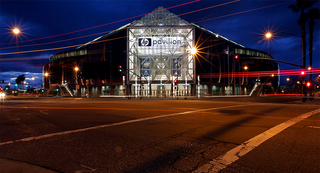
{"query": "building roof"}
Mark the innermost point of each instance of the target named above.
(159, 17)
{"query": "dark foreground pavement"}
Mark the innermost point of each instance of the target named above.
(150, 135)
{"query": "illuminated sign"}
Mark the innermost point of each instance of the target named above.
(155, 41)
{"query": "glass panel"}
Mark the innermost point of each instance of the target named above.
(160, 53)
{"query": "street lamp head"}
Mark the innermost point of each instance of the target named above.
(16, 30)
(268, 35)
(76, 69)
(245, 67)
(288, 79)
(46, 74)
(193, 51)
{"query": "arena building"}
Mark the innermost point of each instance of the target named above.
(161, 55)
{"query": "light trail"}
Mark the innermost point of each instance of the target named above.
(93, 108)
(126, 27)
(50, 49)
(260, 73)
(39, 44)
(102, 24)
(242, 12)
(57, 48)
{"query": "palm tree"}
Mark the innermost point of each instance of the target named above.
(301, 6)
(20, 79)
(313, 14)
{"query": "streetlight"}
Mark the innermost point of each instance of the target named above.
(268, 35)
(246, 70)
(288, 79)
(193, 51)
(15, 31)
(76, 69)
(32, 83)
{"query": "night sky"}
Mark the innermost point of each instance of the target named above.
(55, 24)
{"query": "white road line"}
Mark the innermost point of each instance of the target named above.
(233, 155)
(114, 124)
(314, 127)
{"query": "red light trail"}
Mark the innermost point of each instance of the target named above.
(101, 25)
(290, 72)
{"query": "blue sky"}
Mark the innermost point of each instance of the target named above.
(41, 21)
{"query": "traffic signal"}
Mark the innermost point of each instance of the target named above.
(236, 56)
(175, 81)
(308, 84)
(303, 73)
(142, 82)
(120, 68)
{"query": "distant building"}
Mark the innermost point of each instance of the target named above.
(153, 56)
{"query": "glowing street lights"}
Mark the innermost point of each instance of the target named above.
(193, 51)
(269, 35)
(76, 69)
(15, 31)
(246, 68)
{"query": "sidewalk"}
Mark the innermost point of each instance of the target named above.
(11, 166)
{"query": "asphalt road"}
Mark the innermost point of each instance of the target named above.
(162, 135)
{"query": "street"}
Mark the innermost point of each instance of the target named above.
(162, 135)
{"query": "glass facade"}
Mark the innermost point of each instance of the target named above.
(154, 53)
(160, 53)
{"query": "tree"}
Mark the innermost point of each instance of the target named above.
(20, 79)
(313, 14)
(301, 6)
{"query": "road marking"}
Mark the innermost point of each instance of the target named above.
(114, 124)
(87, 169)
(93, 108)
(44, 112)
(233, 155)
(314, 127)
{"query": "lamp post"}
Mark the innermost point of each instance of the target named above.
(76, 69)
(46, 78)
(32, 83)
(246, 70)
(15, 31)
(269, 35)
(193, 52)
